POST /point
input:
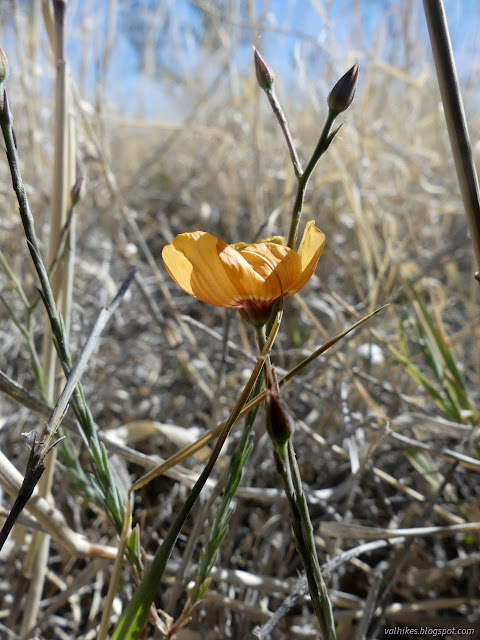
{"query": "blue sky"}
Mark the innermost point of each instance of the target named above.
(291, 30)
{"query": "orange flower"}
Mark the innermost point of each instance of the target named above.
(248, 277)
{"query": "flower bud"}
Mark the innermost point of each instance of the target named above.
(280, 423)
(265, 75)
(3, 66)
(78, 191)
(342, 94)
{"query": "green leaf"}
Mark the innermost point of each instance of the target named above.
(203, 588)
(440, 343)
(422, 380)
(135, 615)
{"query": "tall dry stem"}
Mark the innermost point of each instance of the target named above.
(63, 178)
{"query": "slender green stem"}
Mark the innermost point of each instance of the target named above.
(302, 176)
(287, 467)
(14, 282)
(278, 111)
(322, 146)
(135, 615)
(304, 540)
(318, 590)
(225, 509)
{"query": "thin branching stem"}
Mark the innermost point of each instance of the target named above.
(318, 590)
(102, 479)
(323, 143)
(278, 111)
(286, 463)
(135, 615)
(225, 510)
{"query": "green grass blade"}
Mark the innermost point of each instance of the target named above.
(444, 403)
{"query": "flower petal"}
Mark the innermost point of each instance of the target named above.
(288, 268)
(273, 263)
(309, 252)
(208, 269)
(214, 272)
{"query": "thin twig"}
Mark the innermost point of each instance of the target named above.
(50, 518)
(300, 587)
(278, 111)
(42, 443)
(116, 573)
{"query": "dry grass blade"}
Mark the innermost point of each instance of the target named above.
(190, 450)
(117, 568)
(222, 430)
(355, 531)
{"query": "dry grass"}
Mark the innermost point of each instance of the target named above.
(387, 199)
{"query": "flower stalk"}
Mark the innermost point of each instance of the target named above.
(324, 141)
(318, 590)
(226, 509)
(339, 99)
(280, 425)
(223, 514)
(135, 615)
(265, 78)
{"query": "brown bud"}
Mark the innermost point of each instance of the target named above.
(265, 75)
(280, 423)
(342, 94)
(78, 190)
(3, 66)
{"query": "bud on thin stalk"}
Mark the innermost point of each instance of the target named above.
(342, 94)
(77, 191)
(280, 423)
(265, 75)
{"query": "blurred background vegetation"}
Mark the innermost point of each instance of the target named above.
(174, 135)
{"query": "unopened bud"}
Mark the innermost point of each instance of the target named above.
(342, 94)
(78, 191)
(265, 75)
(3, 66)
(280, 423)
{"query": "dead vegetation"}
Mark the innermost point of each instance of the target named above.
(389, 473)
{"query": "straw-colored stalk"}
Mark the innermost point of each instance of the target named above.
(63, 178)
